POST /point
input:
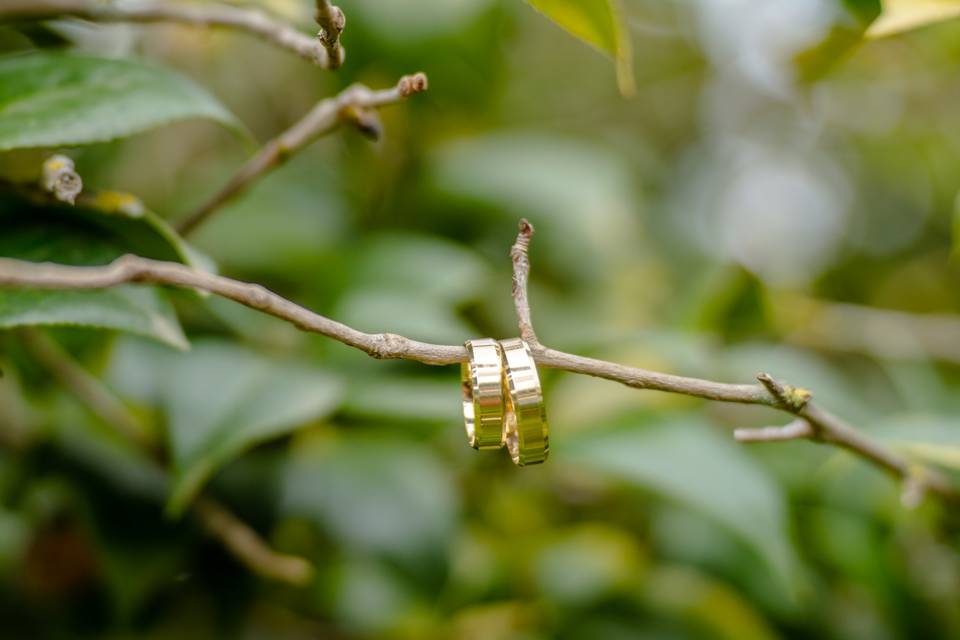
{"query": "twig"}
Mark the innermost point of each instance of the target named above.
(134, 269)
(244, 543)
(323, 118)
(824, 427)
(331, 21)
(207, 15)
(817, 424)
(237, 536)
(521, 275)
(795, 430)
(78, 381)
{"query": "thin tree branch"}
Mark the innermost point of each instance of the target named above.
(246, 545)
(824, 427)
(252, 21)
(331, 21)
(238, 537)
(323, 118)
(86, 388)
(821, 426)
(134, 269)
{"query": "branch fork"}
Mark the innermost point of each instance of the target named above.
(324, 51)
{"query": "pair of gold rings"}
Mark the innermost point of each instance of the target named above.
(502, 400)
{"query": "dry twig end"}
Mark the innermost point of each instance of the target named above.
(412, 84)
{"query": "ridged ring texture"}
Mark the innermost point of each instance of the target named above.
(527, 434)
(482, 383)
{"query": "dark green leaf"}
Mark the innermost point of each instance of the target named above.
(54, 99)
(99, 229)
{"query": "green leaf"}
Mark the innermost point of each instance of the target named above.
(100, 228)
(933, 439)
(903, 15)
(413, 21)
(220, 400)
(687, 461)
(55, 99)
(717, 608)
(402, 397)
(850, 21)
(131, 309)
(405, 312)
(583, 193)
(584, 564)
(599, 23)
(956, 226)
(408, 262)
(374, 496)
(395, 286)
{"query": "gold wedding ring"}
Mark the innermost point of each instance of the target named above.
(482, 382)
(526, 417)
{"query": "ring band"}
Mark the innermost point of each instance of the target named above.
(482, 383)
(527, 435)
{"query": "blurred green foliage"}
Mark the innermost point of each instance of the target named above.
(692, 228)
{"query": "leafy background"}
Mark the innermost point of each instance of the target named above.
(714, 186)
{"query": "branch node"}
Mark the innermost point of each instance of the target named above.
(387, 346)
(366, 121)
(914, 488)
(331, 21)
(324, 52)
(787, 396)
(61, 178)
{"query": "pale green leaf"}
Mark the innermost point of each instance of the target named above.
(903, 15)
(220, 400)
(584, 564)
(403, 397)
(56, 99)
(933, 439)
(944, 455)
(687, 461)
(408, 313)
(408, 262)
(581, 193)
(388, 497)
(599, 23)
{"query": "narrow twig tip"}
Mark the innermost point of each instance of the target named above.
(415, 83)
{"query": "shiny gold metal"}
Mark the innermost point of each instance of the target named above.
(527, 434)
(481, 380)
